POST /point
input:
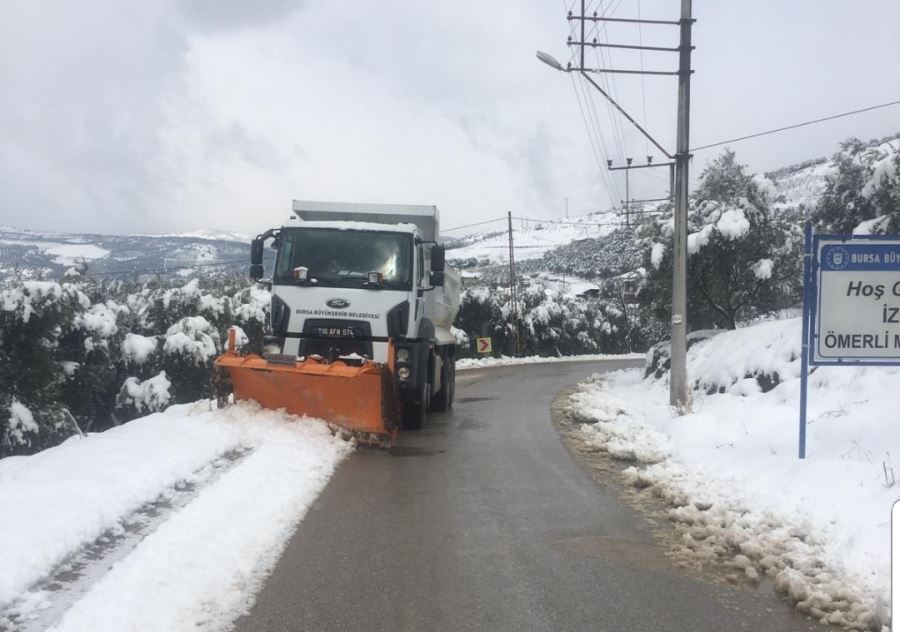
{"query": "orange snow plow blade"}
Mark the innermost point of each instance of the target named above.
(359, 398)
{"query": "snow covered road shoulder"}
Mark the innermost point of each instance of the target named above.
(729, 473)
(235, 483)
(465, 364)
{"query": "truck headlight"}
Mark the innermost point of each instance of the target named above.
(403, 373)
(403, 355)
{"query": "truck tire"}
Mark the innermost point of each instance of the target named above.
(413, 413)
(443, 399)
(452, 382)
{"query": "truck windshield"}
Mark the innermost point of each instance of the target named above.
(342, 258)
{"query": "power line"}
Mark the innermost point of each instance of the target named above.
(604, 60)
(489, 221)
(787, 127)
(592, 121)
(554, 222)
(643, 88)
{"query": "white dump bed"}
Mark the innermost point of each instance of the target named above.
(426, 218)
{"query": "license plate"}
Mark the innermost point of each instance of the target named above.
(337, 332)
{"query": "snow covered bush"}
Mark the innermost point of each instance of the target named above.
(36, 318)
(149, 396)
(190, 347)
(743, 256)
(86, 355)
(550, 323)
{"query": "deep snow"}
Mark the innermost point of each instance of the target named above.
(201, 567)
(731, 475)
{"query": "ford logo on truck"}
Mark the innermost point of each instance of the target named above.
(338, 303)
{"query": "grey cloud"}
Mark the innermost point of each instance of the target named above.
(230, 14)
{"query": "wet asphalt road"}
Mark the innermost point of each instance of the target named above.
(483, 521)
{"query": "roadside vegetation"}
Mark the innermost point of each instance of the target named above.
(84, 354)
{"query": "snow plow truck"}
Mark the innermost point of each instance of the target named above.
(359, 328)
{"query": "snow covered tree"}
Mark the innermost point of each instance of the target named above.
(34, 317)
(743, 257)
(863, 193)
(551, 323)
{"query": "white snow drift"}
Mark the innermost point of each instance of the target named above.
(464, 364)
(201, 567)
(731, 475)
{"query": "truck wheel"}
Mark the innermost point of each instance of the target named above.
(414, 412)
(443, 399)
(451, 384)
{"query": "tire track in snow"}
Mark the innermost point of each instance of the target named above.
(47, 601)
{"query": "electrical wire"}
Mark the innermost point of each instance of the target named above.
(568, 223)
(610, 184)
(796, 125)
(643, 84)
(488, 221)
(604, 60)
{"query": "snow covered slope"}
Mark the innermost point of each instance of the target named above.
(169, 522)
(532, 238)
(820, 528)
(48, 254)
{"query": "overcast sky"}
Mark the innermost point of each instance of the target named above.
(165, 115)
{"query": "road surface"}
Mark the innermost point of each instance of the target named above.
(483, 521)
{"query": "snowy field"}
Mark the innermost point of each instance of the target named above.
(465, 364)
(730, 475)
(533, 239)
(170, 522)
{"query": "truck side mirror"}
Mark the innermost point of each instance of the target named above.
(438, 256)
(256, 271)
(437, 279)
(256, 252)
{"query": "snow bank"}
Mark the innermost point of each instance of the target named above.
(201, 567)
(483, 363)
(730, 473)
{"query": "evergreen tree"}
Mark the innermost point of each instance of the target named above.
(743, 257)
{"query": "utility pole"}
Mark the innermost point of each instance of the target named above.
(567, 208)
(513, 292)
(679, 392)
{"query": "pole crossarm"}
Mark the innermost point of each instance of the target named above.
(600, 18)
(596, 44)
(662, 199)
(626, 115)
(626, 72)
(657, 164)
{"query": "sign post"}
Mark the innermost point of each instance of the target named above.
(804, 352)
(851, 305)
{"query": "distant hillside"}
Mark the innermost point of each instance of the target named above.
(49, 255)
(596, 247)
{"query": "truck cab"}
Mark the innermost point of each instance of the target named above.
(349, 279)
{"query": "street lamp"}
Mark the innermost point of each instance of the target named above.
(550, 60)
